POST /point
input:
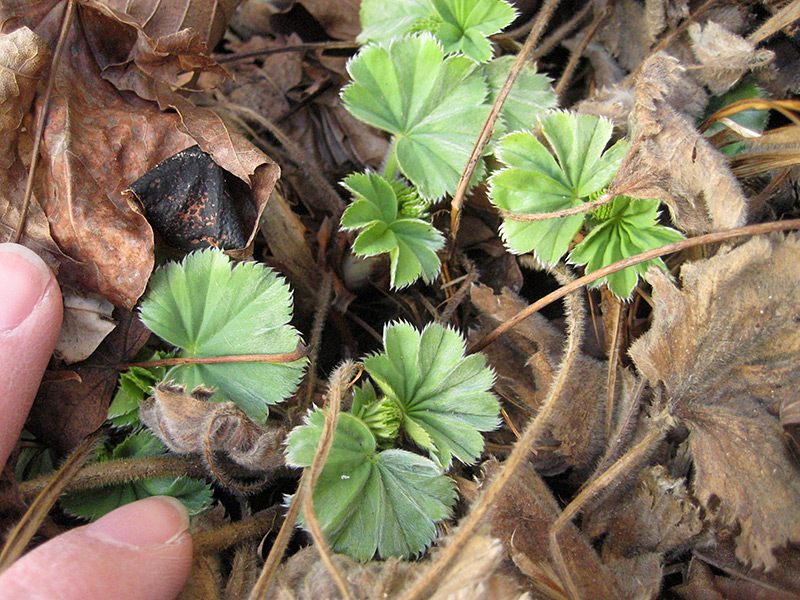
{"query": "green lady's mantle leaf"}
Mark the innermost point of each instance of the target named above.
(444, 395)
(368, 501)
(530, 96)
(411, 243)
(538, 179)
(196, 494)
(208, 307)
(460, 25)
(434, 106)
(628, 229)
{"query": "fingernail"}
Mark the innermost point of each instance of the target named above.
(24, 278)
(146, 523)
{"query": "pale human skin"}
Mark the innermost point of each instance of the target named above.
(141, 551)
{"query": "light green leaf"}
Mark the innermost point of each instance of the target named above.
(467, 24)
(629, 228)
(208, 307)
(195, 494)
(434, 106)
(460, 25)
(541, 180)
(381, 20)
(530, 96)
(412, 243)
(134, 386)
(445, 397)
(368, 501)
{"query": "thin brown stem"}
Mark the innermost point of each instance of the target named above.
(707, 238)
(66, 21)
(103, 474)
(320, 316)
(285, 357)
(229, 58)
(251, 528)
(488, 127)
(577, 52)
(575, 210)
(614, 319)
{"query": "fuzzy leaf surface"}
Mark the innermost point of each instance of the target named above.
(433, 105)
(369, 501)
(445, 397)
(411, 243)
(195, 494)
(208, 307)
(629, 229)
(539, 179)
(726, 348)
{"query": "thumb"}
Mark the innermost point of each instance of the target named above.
(140, 551)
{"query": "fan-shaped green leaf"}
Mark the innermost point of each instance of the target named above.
(530, 96)
(434, 106)
(368, 501)
(629, 228)
(540, 180)
(92, 504)
(460, 25)
(207, 307)
(444, 395)
(411, 243)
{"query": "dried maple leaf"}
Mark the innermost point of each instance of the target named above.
(670, 161)
(727, 350)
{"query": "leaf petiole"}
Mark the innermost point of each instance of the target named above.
(299, 352)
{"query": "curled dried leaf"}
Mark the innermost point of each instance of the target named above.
(669, 160)
(190, 424)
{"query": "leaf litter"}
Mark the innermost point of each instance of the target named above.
(682, 462)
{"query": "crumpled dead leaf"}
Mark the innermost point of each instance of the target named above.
(724, 56)
(727, 350)
(669, 160)
(190, 424)
(476, 574)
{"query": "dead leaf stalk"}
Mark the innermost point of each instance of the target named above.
(700, 240)
(320, 316)
(285, 357)
(251, 528)
(575, 210)
(577, 52)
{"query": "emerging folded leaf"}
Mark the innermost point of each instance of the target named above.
(445, 397)
(434, 106)
(368, 501)
(628, 227)
(195, 494)
(378, 213)
(540, 180)
(207, 307)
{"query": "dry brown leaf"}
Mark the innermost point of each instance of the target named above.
(724, 56)
(669, 160)
(476, 574)
(87, 321)
(190, 424)
(522, 520)
(657, 515)
(704, 584)
(727, 349)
